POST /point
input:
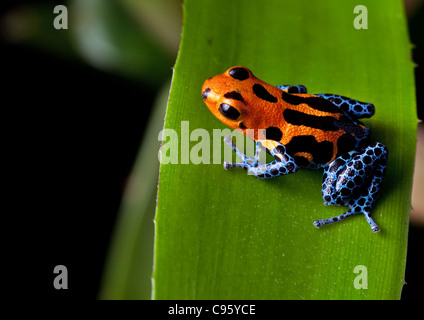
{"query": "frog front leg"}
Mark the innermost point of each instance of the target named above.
(283, 163)
(354, 179)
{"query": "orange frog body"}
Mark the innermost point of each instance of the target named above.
(302, 130)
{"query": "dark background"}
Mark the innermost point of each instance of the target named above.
(77, 131)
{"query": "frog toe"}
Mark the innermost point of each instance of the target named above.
(228, 165)
(318, 223)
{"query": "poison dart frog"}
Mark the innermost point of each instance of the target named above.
(301, 130)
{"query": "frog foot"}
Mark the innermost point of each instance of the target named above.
(355, 180)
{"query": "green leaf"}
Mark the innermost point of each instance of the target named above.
(111, 36)
(227, 235)
(128, 268)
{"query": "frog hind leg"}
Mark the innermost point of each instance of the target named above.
(293, 88)
(354, 108)
(354, 179)
(282, 165)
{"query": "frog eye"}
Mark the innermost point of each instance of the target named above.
(229, 111)
(239, 73)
